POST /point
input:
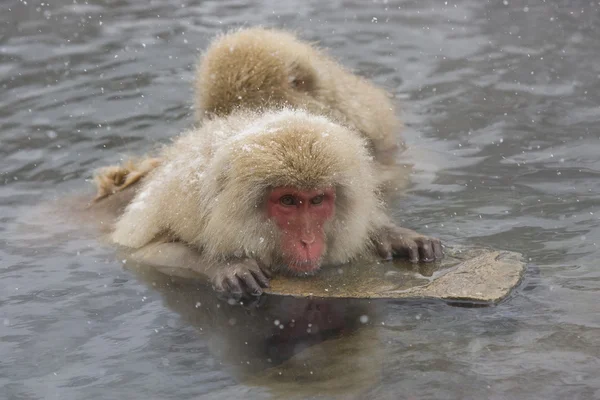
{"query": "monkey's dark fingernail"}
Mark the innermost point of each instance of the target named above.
(256, 292)
(253, 287)
(261, 278)
(413, 253)
(385, 251)
(427, 251)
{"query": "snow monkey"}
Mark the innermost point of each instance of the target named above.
(257, 193)
(258, 68)
(261, 69)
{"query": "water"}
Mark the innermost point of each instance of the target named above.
(501, 101)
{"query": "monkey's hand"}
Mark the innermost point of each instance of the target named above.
(241, 278)
(394, 241)
(115, 178)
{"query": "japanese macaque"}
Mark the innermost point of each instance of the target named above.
(261, 69)
(280, 191)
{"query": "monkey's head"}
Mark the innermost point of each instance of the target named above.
(296, 190)
(255, 69)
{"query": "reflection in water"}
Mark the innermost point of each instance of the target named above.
(281, 343)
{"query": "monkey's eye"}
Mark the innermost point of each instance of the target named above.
(317, 199)
(287, 200)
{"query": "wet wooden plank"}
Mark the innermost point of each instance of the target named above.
(467, 275)
(474, 275)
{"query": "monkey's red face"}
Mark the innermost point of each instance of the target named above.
(301, 215)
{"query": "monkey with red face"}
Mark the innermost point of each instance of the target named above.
(283, 191)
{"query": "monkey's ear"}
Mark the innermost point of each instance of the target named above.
(302, 77)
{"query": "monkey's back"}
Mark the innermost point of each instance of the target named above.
(259, 68)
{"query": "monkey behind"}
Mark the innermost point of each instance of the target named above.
(258, 68)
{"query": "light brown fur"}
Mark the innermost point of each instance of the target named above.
(209, 192)
(260, 69)
(257, 68)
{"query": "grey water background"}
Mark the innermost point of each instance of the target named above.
(502, 105)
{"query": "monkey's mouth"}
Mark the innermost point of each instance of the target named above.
(303, 267)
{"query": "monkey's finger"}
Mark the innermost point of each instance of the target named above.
(266, 271)
(234, 286)
(261, 278)
(218, 285)
(426, 250)
(438, 251)
(252, 287)
(406, 248)
(384, 249)
(413, 252)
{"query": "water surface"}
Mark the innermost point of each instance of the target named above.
(501, 101)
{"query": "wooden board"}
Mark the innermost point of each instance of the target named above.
(468, 275)
(474, 275)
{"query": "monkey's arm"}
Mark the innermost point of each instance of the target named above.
(143, 219)
(239, 278)
(394, 241)
(137, 227)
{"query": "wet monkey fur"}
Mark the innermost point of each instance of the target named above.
(260, 69)
(283, 191)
